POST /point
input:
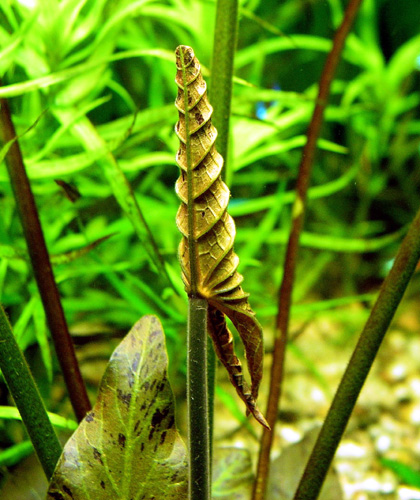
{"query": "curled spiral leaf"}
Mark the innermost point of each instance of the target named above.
(208, 261)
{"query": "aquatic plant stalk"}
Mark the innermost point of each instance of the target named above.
(199, 444)
(225, 38)
(390, 295)
(209, 268)
(220, 93)
(27, 398)
(298, 214)
(41, 266)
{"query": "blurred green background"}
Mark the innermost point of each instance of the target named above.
(91, 88)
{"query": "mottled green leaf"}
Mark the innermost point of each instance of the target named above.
(232, 474)
(287, 469)
(127, 446)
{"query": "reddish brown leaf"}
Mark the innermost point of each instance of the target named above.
(223, 345)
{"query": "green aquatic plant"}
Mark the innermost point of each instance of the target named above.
(93, 111)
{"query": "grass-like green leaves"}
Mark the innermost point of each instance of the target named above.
(128, 445)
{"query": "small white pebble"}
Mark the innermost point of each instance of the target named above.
(290, 435)
(350, 450)
(383, 443)
(371, 484)
(397, 372)
(238, 443)
(317, 395)
(415, 414)
(344, 468)
(405, 493)
(415, 386)
(374, 485)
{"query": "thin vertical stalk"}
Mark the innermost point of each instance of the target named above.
(211, 387)
(42, 266)
(298, 214)
(197, 397)
(225, 36)
(390, 295)
(199, 444)
(220, 94)
(27, 398)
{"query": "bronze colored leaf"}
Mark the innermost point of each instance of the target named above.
(128, 445)
(242, 316)
(223, 345)
(214, 232)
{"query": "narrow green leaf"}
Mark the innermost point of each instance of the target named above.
(41, 335)
(5, 148)
(67, 257)
(12, 413)
(65, 75)
(246, 207)
(330, 242)
(14, 454)
(407, 474)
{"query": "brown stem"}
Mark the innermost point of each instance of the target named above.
(42, 266)
(298, 213)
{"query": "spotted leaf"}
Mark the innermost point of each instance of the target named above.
(128, 445)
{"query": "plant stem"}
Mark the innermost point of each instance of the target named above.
(211, 385)
(27, 398)
(224, 47)
(298, 214)
(390, 295)
(42, 267)
(220, 95)
(198, 376)
(197, 398)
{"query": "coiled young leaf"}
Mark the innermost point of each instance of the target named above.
(211, 232)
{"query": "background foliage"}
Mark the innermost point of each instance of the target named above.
(96, 78)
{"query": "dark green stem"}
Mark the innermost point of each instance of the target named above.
(27, 398)
(42, 266)
(197, 398)
(390, 295)
(220, 95)
(211, 385)
(224, 47)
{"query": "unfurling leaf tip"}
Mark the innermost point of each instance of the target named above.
(208, 261)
